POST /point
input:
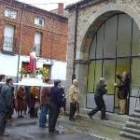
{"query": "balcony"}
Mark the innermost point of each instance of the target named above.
(9, 45)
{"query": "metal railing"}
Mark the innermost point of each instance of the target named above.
(8, 43)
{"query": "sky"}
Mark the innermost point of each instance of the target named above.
(48, 4)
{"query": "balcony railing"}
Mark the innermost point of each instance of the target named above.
(9, 44)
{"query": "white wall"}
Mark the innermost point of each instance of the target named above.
(58, 70)
(9, 63)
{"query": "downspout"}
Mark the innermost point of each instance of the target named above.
(20, 42)
(75, 42)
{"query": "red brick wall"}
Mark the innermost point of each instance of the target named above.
(54, 33)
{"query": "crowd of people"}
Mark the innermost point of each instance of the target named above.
(49, 100)
(123, 92)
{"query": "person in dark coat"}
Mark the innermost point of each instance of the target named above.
(28, 99)
(63, 105)
(98, 97)
(2, 77)
(55, 104)
(6, 104)
(123, 90)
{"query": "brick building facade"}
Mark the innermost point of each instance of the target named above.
(24, 27)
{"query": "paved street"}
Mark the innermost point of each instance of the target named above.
(33, 132)
(27, 129)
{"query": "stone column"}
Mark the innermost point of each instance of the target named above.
(70, 49)
(81, 75)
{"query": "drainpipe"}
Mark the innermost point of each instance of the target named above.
(20, 41)
(75, 42)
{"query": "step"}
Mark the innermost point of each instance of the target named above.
(132, 125)
(137, 110)
(134, 119)
(135, 114)
(131, 130)
(130, 135)
(111, 116)
(109, 123)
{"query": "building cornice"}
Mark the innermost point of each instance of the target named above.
(32, 8)
(80, 61)
(83, 3)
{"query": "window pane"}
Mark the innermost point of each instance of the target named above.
(93, 48)
(37, 42)
(123, 65)
(91, 76)
(10, 13)
(124, 35)
(100, 43)
(98, 72)
(109, 75)
(110, 37)
(135, 76)
(136, 41)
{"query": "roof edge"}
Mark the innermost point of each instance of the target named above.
(34, 8)
(82, 2)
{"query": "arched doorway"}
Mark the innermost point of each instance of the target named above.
(115, 48)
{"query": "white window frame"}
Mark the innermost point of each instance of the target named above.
(10, 13)
(37, 21)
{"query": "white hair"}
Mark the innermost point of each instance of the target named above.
(75, 81)
(102, 79)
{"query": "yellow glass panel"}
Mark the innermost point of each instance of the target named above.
(109, 75)
(91, 76)
(122, 65)
(135, 76)
(98, 72)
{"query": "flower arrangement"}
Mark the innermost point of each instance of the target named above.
(42, 71)
(23, 71)
(39, 71)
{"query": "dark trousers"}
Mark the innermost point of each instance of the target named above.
(53, 115)
(100, 107)
(3, 120)
(33, 112)
(72, 111)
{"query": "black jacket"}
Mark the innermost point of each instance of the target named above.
(100, 90)
(123, 88)
(56, 96)
(6, 98)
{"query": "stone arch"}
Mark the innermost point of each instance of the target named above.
(98, 18)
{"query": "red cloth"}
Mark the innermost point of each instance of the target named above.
(32, 64)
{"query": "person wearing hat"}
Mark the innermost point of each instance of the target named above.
(98, 97)
(6, 104)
